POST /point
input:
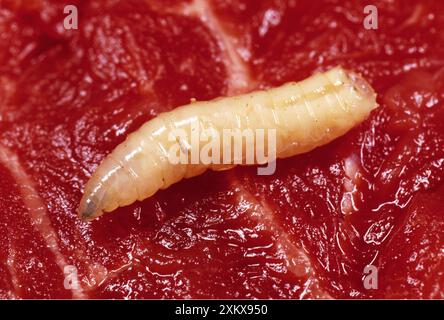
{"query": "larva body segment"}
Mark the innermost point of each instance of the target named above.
(304, 115)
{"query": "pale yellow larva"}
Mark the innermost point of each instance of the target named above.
(304, 115)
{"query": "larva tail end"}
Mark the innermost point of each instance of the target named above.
(89, 209)
(361, 85)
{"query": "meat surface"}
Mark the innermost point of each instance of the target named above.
(373, 197)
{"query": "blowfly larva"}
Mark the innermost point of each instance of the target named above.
(303, 115)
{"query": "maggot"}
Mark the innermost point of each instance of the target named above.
(304, 115)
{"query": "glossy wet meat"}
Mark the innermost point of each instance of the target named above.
(374, 196)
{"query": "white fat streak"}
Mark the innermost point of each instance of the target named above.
(7, 89)
(414, 18)
(10, 264)
(37, 210)
(351, 168)
(296, 259)
(239, 74)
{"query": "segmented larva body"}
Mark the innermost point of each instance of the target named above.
(304, 115)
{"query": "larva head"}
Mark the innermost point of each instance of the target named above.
(96, 192)
(110, 187)
(90, 207)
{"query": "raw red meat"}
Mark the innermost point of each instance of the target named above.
(374, 196)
